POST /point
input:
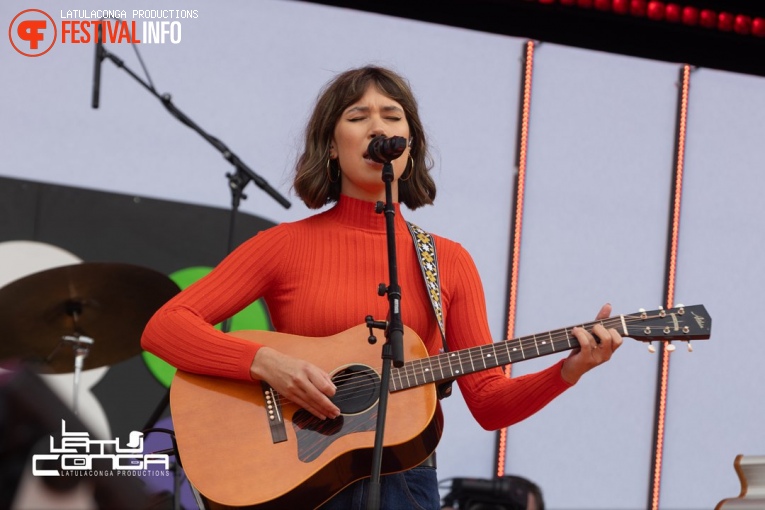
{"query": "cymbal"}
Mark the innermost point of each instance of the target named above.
(109, 303)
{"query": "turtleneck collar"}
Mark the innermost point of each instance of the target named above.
(355, 213)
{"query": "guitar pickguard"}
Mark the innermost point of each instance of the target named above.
(357, 393)
(315, 435)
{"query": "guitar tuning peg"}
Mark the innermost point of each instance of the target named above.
(670, 347)
(651, 348)
(641, 310)
(679, 305)
(661, 308)
(690, 347)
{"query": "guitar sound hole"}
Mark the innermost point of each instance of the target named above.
(358, 389)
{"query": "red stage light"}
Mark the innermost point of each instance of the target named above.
(743, 24)
(637, 7)
(655, 10)
(725, 21)
(708, 18)
(603, 5)
(758, 27)
(690, 15)
(673, 13)
(658, 10)
(621, 6)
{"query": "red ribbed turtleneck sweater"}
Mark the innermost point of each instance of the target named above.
(319, 277)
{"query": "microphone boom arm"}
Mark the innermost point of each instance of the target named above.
(244, 173)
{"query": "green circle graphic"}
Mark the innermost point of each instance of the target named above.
(253, 316)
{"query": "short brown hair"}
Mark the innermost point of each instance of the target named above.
(312, 183)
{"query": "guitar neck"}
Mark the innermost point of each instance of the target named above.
(453, 364)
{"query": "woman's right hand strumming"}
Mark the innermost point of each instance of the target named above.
(298, 381)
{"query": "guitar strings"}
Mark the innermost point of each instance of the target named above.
(353, 382)
(523, 342)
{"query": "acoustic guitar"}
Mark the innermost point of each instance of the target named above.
(242, 445)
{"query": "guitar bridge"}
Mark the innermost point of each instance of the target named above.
(274, 413)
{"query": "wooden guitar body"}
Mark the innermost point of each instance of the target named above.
(224, 427)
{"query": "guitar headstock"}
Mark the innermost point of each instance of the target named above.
(682, 322)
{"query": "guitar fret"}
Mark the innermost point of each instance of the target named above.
(536, 345)
(494, 350)
(441, 367)
(507, 350)
(506, 356)
(415, 370)
(514, 350)
(546, 347)
(450, 358)
(459, 360)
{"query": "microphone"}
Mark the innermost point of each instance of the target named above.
(97, 65)
(496, 488)
(385, 150)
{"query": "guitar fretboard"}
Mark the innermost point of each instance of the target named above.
(453, 364)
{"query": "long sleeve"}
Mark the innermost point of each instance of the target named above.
(494, 400)
(319, 277)
(182, 332)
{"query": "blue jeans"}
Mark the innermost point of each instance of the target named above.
(416, 489)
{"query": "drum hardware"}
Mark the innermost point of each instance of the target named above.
(99, 309)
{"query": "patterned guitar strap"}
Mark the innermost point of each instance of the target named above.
(426, 254)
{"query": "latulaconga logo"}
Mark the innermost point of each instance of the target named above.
(76, 454)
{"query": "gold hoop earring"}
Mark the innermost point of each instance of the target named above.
(329, 172)
(411, 170)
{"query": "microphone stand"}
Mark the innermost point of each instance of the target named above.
(244, 174)
(238, 180)
(393, 349)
